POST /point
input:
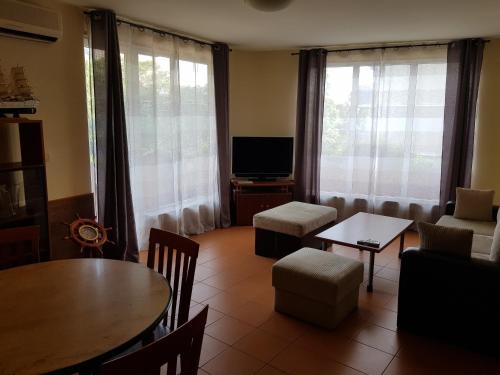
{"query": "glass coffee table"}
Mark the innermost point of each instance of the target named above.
(363, 226)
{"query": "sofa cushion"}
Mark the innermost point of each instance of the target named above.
(451, 241)
(295, 218)
(474, 204)
(485, 228)
(319, 275)
(481, 244)
(480, 256)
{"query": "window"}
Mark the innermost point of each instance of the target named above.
(171, 129)
(383, 126)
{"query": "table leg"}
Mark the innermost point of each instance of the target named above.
(324, 245)
(401, 243)
(369, 288)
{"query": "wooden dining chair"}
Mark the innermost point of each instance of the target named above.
(19, 246)
(175, 257)
(185, 342)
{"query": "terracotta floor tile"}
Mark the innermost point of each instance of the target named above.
(247, 288)
(296, 360)
(233, 362)
(384, 318)
(373, 299)
(228, 330)
(400, 367)
(265, 296)
(392, 304)
(269, 370)
(202, 292)
(285, 327)
(346, 351)
(252, 313)
(226, 302)
(213, 316)
(388, 273)
(352, 324)
(211, 348)
(261, 345)
(226, 280)
(202, 372)
(383, 285)
(379, 338)
(202, 272)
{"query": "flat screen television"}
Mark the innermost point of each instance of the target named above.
(262, 157)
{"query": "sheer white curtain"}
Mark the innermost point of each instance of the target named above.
(382, 131)
(170, 110)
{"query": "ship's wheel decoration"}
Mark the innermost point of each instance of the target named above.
(89, 235)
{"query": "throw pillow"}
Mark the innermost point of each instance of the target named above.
(446, 240)
(474, 204)
(495, 246)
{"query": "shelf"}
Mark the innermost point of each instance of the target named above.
(251, 184)
(18, 166)
(20, 216)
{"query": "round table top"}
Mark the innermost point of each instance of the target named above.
(61, 314)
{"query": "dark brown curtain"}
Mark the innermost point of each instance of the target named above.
(462, 84)
(310, 105)
(220, 52)
(113, 180)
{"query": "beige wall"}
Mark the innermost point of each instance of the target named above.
(262, 93)
(486, 165)
(56, 73)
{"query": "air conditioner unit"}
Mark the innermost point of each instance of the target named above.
(27, 21)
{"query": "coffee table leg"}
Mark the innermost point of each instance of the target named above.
(401, 243)
(369, 288)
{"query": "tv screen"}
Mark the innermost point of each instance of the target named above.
(262, 157)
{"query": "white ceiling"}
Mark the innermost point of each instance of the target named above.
(307, 23)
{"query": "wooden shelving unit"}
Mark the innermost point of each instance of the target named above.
(251, 197)
(28, 176)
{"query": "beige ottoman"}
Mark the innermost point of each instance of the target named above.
(317, 286)
(289, 227)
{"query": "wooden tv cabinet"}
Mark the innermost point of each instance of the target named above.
(251, 197)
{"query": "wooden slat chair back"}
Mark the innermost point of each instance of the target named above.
(19, 246)
(185, 342)
(181, 254)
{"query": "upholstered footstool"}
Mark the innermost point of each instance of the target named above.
(289, 227)
(317, 286)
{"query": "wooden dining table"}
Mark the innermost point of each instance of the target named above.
(69, 315)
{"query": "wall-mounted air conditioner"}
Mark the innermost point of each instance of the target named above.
(27, 21)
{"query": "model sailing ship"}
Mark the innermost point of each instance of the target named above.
(16, 94)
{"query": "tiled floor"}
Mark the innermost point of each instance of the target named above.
(245, 336)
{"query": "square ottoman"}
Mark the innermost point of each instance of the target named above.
(317, 286)
(289, 227)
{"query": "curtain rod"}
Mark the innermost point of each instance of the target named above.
(158, 31)
(387, 47)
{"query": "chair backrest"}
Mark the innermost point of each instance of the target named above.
(14, 242)
(184, 342)
(181, 255)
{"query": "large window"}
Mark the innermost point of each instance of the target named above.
(171, 127)
(383, 126)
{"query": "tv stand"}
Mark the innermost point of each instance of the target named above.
(251, 197)
(262, 179)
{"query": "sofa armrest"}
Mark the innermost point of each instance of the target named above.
(449, 297)
(450, 210)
